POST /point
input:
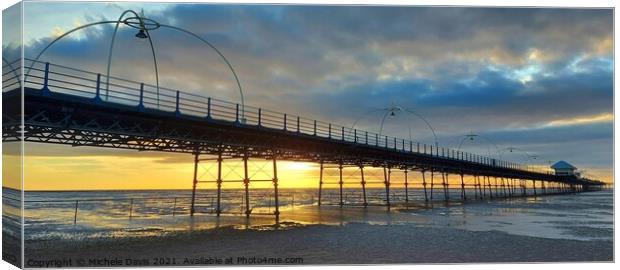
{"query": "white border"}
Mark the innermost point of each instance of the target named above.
(504, 3)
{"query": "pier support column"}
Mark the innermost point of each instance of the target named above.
(489, 186)
(275, 188)
(544, 189)
(463, 196)
(424, 185)
(480, 188)
(363, 185)
(386, 176)
(476, 187)
(194, 183)
(432, 183)
(509, 187)
(219, 181)
(406, 187)
(515, 188)
(340, 183)
(534, 186)
(246, 184)
(444, 179)
(496, 188)
(320, 182)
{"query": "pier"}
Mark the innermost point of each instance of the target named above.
(70, 106)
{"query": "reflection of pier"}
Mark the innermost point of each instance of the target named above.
(64, 105)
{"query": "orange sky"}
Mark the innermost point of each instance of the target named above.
(90, 168)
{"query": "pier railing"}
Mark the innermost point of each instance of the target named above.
(52, 78)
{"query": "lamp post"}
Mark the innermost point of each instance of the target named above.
(144, 26)
(392, 111)
(529, 158)
(472, 137)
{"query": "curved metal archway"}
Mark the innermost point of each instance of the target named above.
(19, 81)
(144, 25)
(529, 158)
(391, 111)
(471, 136)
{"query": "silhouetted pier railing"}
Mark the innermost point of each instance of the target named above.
(52, 78)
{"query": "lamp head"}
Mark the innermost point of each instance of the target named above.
(141, 34)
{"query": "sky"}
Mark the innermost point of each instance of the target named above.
(539, 81)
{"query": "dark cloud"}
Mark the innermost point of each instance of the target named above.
(494, 70)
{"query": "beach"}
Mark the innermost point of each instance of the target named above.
(558, 228)
(349, 244)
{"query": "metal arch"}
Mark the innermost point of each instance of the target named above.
(364, 116)
(223, 58)
(376, 110)
(14, 71)
(465, 137)
(387, 113)
(120, 20)
(528, 156)
(461, 143)
(110, 53)
(427, 123)
(60, 37)
(152, 50)
(415, 114)
(499, 153)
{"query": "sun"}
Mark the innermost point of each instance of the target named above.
(299, 166)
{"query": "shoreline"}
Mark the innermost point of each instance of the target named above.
(353, 243)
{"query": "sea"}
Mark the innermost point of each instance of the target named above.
(80, 215)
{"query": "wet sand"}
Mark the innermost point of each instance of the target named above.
(564, 228)
(353, 243)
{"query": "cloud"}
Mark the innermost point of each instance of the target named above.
(493, 70)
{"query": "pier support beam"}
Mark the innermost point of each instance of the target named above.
(219, 180)
(496, 188)
(365, 203)
(246, 184)
(476, 185)
(406, 187)
(432, 182)
(481, 190)
(534, 186)
(424, 185)
(340, 183)
(275, 188)
(386, 176)
(510, 184)
(489, 186)
(195, 182)
(320, 182)
(463, 196)
(444, 178)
